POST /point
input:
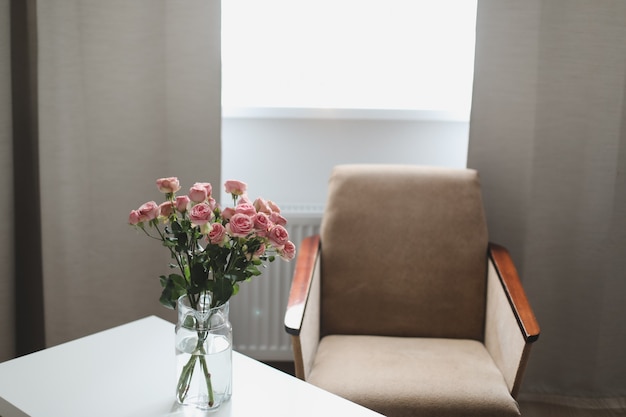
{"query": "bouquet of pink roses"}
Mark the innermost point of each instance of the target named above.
(213, 248)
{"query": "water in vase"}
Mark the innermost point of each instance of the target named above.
(217, 354)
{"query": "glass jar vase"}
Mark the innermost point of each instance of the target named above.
(203, 353)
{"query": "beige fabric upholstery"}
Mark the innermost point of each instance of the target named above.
(408, 237)
(503, 339)
(309, 338)
(397, 375)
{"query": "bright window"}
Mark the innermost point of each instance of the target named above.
(348, 54)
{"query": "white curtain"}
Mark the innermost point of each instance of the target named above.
(548, 135)
(128, 91)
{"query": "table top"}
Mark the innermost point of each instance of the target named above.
(130, 371)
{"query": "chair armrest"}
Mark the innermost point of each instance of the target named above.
(302, 315)
(511, 326)
(515, 292)
(308, 253)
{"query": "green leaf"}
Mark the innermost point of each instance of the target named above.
(189, 322)
(181, 242)
(179, 281)
(169, 242)
(194, 290)
(176, 227)
(222, 293)
(253, 270)
(238, 275)
(166, 298)
(173, 287)
(199, 275)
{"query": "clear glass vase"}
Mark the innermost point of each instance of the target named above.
(203, 354)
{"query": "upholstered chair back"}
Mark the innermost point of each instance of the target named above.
(403, 252)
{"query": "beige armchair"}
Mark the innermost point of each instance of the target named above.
(402, 305)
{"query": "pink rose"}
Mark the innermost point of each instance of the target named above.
(182, 203)
(166, 209)
(133, 218)
(198, 193)
(240, 225)
(207, 186)
(148, 211)
(228, 213)
(261, 223)
(200, 214)
(273, 206)
(278, 236)
(288, 252)
(245, 208)
(235, 187)
(212, 203)
(244, 199)
(168, 185)
(278, 219)
(261, 206)
(217, 234)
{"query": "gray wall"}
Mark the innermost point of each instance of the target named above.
(288, 160)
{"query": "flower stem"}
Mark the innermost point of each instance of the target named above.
(184, 381)
(174, 253)
(207, 378)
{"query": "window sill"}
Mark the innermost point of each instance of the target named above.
(343, 114)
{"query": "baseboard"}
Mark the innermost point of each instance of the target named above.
(588, 403)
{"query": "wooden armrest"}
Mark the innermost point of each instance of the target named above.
(515, 292)
(301, 284)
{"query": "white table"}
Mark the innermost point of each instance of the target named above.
(129, 371)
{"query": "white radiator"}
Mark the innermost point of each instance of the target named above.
(258, 310)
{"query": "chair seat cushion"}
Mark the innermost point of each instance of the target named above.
(399, 376)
